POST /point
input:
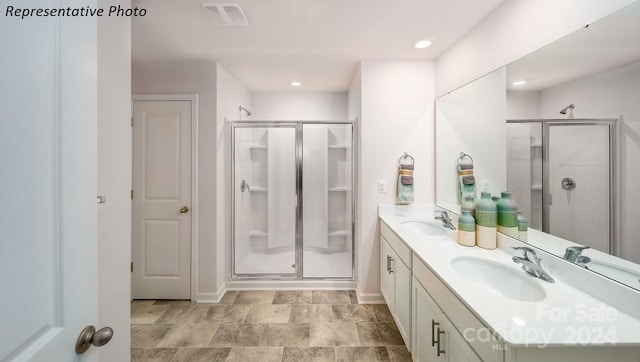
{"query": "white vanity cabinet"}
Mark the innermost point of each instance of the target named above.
(435, 338)
(395, 280)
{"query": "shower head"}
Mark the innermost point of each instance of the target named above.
(564, 110)
(246, 111)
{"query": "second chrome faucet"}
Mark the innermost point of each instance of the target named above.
(531, 264)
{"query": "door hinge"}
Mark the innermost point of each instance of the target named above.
(132, 267)
(131, 194)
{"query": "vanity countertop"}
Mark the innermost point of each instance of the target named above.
(566, 316)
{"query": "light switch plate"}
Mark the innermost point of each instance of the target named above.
(382, 187)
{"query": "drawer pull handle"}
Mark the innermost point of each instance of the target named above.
(440, 333)
(389, 260)
(433, 332)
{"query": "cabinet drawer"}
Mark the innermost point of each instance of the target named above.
(397, 245)
(464, 321)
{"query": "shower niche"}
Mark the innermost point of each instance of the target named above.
(292, 200)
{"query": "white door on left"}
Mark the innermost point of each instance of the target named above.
(48, 161)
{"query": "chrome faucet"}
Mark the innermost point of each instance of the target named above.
(531, 264)
(572, 253)
(444, 217)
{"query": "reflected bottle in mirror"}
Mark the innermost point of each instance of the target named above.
(507, 215)
(486, 221)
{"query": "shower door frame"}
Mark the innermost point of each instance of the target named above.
(299, 246)
(612, 123)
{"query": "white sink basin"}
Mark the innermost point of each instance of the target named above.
(499, 279)
(423, 227)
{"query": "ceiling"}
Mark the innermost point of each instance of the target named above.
(606, 44)
(316, 42)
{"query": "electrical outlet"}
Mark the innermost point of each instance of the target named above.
(382, 187)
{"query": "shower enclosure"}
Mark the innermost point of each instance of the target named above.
(292, 200)
(561, 174)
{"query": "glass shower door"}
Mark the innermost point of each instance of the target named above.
(327, 191)
(579, 183)
(264, 184)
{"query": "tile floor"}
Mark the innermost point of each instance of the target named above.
(266, 326)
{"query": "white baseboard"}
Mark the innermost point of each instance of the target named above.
(290, 285)
(212, 297)
(369, 298)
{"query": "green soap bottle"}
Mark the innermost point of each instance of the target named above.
(466, 229)
(486, 221)
(507, 215)
(469, 203)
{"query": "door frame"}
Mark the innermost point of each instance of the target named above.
(193, 98)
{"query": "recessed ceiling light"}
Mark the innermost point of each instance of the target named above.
(520, 82)
(296, 84)
(423, 44)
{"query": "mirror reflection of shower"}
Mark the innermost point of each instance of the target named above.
(561, 174)
(246, 112)
(571, 107)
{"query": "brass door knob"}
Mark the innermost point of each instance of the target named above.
(184, 210)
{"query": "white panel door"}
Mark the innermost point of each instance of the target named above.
(161, 200)
(48, 183)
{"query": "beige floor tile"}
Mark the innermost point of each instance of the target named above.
(309, 354)
(333, 334)
(353, 296)
(183, 314)
(201, 355)
(362, 354)
(153, 354)
(292, 297)
(175, 303)
(233, 334)
(353, 313)
(147, 313)
(260, 354)
(137, 355)
(148, 335)
(311, 313)
(229, 297)
(189, 335)
(286, 335)
(254, 297)
(226, 314)
(399, 354)
(330, 297)
(382, 313)
(269, 313)
(379, 334)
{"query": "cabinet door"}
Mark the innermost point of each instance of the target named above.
(403, 299)
(425, 316)
(387, 278)
(457, 349)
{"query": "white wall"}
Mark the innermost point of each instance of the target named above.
(114, 182)
(298, 106)
(397, 116)
(611, 94)
(231, 94)
(523, 105)
(514, 29)
(194, 78)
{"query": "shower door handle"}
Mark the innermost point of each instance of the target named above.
(244, 186)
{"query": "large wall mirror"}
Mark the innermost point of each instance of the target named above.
(560, 129)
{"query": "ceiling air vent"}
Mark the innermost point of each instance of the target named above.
(226, 14)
